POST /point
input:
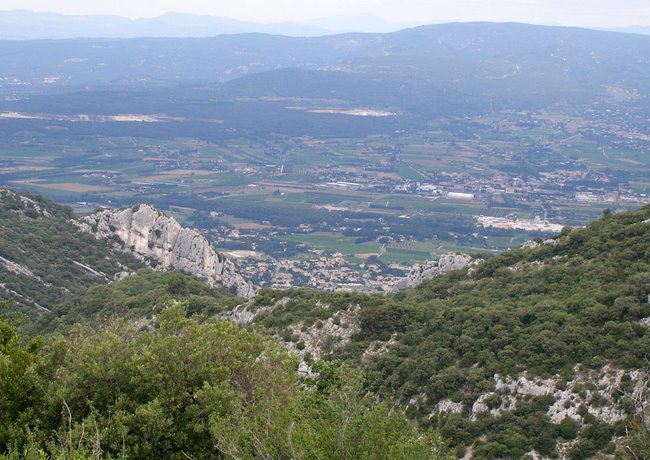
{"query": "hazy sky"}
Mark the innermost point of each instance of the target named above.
(598, 13)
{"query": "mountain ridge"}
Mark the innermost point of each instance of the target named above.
(30, 25)
(259, 86)
(475, 40)
(500, 356)
(46, 258)
(149, 234)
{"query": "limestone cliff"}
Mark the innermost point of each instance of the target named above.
(304, 339)
(153, 236)
(603, 385)
(421, 273)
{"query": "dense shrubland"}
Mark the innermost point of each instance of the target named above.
(543, 311)
(141, 295)
(188, 389)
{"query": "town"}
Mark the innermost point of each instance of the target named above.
(357, 213)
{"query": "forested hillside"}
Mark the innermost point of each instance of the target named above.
(139, 297)
(44, 258)
(135, 377)
(245, 82)
(511, 352)
(58, 275)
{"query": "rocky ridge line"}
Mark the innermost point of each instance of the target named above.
(150, 235)
(428, 270)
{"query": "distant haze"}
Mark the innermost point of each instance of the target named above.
(594, 13)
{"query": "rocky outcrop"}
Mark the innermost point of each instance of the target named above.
(321, 338)
(161, 240)
(532, 244)
(22, 205)
(309, 340)
(421, 273)
(20, 270)
(597, 392)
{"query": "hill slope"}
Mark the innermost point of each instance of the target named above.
(542, 348)
(539, 349)
(531, 341)
(149, 234)
(45, 258)
(257, 85)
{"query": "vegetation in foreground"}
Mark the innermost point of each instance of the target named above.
(184, 388)
(139, 296)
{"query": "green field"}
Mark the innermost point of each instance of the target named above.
(333, 242)
(244, 178)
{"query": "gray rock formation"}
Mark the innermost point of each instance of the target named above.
(314, 340)
(28, 208)
(326, 335)
(571, 397)
(532, 244)
(151, 235)
(421, 273)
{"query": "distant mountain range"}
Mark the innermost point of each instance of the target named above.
(29, 25)
(251, 81)
(641, 30)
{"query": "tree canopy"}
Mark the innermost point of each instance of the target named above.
(183, 388)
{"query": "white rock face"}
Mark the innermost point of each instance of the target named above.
(568, 397)
(377, 348)
(149, 234)
(316, 340)
(332, 333)
(27, 203)
(447, 406)
(531, 244)
(20, 270)
(246, 313)
(421, 273)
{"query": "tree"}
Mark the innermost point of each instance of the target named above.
(156, 393)
(637, 444)
(18, 386)
(201, 389)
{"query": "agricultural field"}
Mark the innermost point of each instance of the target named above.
(402, 197)
(336, 243)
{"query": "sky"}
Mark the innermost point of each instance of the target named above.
(584, 13)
